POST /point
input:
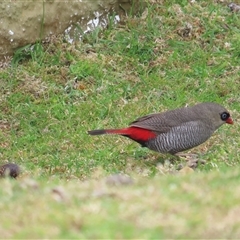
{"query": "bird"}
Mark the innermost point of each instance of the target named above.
(174, 131)
(9, 169)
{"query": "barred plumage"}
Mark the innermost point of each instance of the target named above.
(180, 138)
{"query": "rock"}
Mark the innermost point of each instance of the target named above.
(234, 7)
(119, 179)
(59, 194)
(25, 22)
(186, 170)
(9, 169)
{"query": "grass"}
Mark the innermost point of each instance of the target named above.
(174, 54)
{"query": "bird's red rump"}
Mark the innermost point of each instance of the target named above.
(135, 133)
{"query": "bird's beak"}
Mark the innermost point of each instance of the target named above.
(229, 121)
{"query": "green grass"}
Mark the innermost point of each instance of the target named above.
(54, 93)
(193, 206)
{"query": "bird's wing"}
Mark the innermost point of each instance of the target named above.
(155, 122)
(163, 123)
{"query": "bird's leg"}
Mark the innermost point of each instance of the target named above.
(192, 159)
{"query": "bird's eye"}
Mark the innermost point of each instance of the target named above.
(225, 116)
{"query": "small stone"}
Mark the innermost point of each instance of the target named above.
(29, 183)
(59, 194)
(119, 179)
(9, 170)
(186, 170)
(234, 7)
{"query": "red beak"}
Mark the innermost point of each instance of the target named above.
(229, 121)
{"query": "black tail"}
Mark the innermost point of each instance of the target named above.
(97, 132)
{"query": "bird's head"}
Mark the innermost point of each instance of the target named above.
(214, 114)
